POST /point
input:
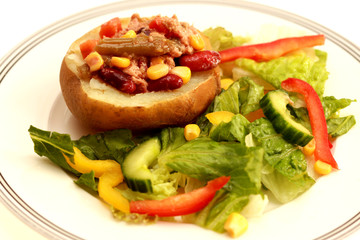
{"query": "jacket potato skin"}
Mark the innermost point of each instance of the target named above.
(98, 114)
(102, 115)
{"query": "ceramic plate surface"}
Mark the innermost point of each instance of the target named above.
(46, 198)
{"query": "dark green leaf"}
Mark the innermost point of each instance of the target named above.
(87, 180)
(54, 146)
(106, 145)
(340, 126)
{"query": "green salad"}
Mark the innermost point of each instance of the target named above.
(233, 165)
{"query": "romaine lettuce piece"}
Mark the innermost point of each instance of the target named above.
(235, 130)
(293, 66)
(205, 159)
(285, 167)
(250, 94)
(332, 105)
(242, 96)
(171, 138)
(221, 39)
(228, 100)
(215, 214)
(337, 126)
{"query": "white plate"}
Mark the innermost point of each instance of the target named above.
(45, 197)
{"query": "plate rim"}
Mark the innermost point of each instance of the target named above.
(36, 221)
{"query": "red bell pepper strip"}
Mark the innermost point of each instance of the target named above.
(317, 118)
(271, 50)
(181, 204)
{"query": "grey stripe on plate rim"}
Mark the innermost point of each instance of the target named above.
(28, 215)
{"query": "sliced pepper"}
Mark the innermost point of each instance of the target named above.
(271, 50)
(109, 174)
(317, 118)
(181, 204)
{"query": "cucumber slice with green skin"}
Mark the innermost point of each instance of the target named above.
(136, 165)
(274, 107)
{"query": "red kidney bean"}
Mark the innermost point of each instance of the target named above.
(200, 61)
(118, 79)
(168, 82)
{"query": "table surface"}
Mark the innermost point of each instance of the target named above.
(19, 19)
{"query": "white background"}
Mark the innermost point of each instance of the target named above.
(19, 19)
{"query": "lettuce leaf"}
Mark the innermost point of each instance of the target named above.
(285, 167)
(114, 144)
(250, 95)
(205, 159)
(221, 39)
(296, 66)
(54, 146)
(171, 138)
(332, 105)
(215, 214)
(337, 126)
(242, 96)
(228, 100)
(235, 130)
(107, 145)
(340, 126)
(87, 181)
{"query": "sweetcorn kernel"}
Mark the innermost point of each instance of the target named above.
(94, 61)
(236, 224)
(120, 62)
(197, 42)
(322, 167)
(129, 34)
(183, 72)
(191, 131)
(157, 71)
(309, 148)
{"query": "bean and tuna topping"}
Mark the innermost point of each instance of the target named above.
(148, 55)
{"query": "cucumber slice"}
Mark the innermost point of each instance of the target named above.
(136, 165)
(274, 107)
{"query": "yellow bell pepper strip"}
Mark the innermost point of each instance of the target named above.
(317, 118)
(220, 116)
(271, 50)
(181, 204)
(109, 174)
